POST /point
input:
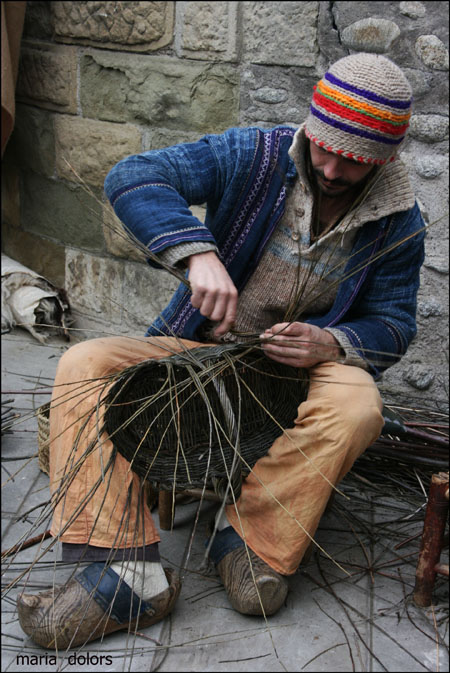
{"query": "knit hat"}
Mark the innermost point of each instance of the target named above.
(360, 109)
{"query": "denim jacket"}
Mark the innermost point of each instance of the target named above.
(242, 176)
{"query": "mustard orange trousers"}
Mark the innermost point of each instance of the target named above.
(99, 502)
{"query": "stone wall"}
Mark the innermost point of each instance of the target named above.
(101, 80)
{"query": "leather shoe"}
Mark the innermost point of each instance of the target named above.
(252, 586)
(91, 605)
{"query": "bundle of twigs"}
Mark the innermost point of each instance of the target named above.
(410, 453)
(8, 416)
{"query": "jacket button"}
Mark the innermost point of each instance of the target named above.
(299, 212)
(295, 236)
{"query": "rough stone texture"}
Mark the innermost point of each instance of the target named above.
(430, 91)
(372, 35)
(152, 291)
(432, 51)
(155, 139)
(39, 20)
(92, 147)
(33, 141)
(275, 95)
(402, 51)
(280, 33)
(61, 211)
(429, 128)
(48, 77)
(208, 30)
(429, 307)
(419, 376)
(415, 10)
(40, 254)
(125, 297)
(95, 283)
(430, 167)
(159, 91)
(133, 26)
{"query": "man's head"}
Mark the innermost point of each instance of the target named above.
(360, 112)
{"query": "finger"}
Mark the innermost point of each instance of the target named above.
(279, 328)
(286, 352)
(198, 296)
(207, 304)
(291, 362)
(230, 316)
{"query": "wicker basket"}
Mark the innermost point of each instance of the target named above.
(160, 422)
(43, 416)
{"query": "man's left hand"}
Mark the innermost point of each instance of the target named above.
(299, 344)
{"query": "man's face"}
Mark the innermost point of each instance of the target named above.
(335, 175)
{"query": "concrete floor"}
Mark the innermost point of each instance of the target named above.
(361, 621)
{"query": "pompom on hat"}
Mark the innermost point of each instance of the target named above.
(360, 109)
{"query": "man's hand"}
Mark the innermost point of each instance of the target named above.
(299, 344)
(213, 291)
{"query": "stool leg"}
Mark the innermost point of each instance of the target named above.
(432, 539)
(166, 509)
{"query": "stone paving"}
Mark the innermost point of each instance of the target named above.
(356, 617)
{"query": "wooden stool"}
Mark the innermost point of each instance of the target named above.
(428, 565)
(167, 503)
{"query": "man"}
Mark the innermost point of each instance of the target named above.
(313, 240)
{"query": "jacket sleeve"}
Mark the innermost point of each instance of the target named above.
(382, 321)
(151, 192)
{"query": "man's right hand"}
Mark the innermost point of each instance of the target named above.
(213, 291)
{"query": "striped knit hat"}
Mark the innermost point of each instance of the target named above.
(360, 109)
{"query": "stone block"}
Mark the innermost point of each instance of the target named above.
(429, 128)
(208, 30)
(429, 307)
(419, 376)
(432, 51)
(280, 33)
(39, 20)
(147, 291)
(61, 211)
(125, 296)
(430, 90)
(373, 35)
(48, 76)
(275, 95)
(130, 26)
(33, 140)
(156, 139)
(159, 91)
(37, 253)
(92, 147)
(95, 284)
(414, 10)
(430, 167)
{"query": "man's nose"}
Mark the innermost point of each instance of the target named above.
(332, 168)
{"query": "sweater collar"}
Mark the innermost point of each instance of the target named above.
(390, 193)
